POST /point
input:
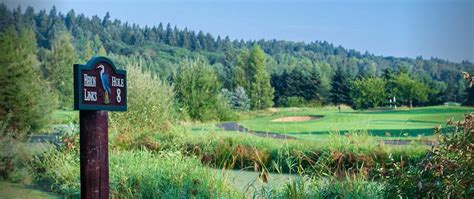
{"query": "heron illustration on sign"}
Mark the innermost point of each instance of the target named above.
(105, 83)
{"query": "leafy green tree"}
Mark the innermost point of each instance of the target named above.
(368, 92)
(251, 74)
(340, 88)
(409, 90)
(58, 68)
(99, 47)
(261, 92)
(88, 52)
(25, 100)
(198, 90)
(324, 74)
(242, 71)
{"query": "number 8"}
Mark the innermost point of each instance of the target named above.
(119, 99)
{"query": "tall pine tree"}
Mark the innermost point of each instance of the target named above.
(252, 75)
(25, 100)
(241, 72)
(340, 88)
(58, 68)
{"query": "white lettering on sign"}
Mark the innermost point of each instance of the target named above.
(119, 97)
(90, 95)
(89, 81)
(117, 82)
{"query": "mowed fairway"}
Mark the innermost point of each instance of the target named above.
(387, 123)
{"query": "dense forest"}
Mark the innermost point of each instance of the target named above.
(287, 72)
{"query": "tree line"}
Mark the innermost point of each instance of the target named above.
(210, 76)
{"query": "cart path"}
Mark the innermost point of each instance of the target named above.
(234, 126)
(53, 136)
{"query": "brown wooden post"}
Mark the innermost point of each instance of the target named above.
(94, 154)
(98, 87)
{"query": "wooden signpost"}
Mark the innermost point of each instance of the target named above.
(98, 87)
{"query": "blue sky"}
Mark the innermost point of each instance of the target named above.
(403, 28)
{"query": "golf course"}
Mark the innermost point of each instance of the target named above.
(315, 123)
(236, 99)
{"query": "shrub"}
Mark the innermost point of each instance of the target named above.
(198, 91)
(60, 170)
(14, 159)
(237, 100)
(295, 101)
(447, 171)
(150, 108)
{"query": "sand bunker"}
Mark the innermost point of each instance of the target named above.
(297, 118)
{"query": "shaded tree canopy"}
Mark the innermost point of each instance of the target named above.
(25, 100)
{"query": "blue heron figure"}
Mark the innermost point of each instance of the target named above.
(105, 83)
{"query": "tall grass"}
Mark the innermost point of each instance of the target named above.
(340, 152)
(136, 174)
(351, 187)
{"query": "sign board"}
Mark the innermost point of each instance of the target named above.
(98, 85)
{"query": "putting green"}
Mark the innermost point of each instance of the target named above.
(390, 123)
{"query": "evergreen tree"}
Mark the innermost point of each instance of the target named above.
(58, 68)
(98, 48)
(305, 83)
(241, 72)
(170, 36)
(229, 64)
(469, 96)
(201, 40)
(101, 51)
(280, 84)
(261, 92)
(237, 100)
(340, 89)
(88, 51)
(161, 33)
(25, 100)
(251, 74)
(302, 83)
(5, 17)
(185, 40)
